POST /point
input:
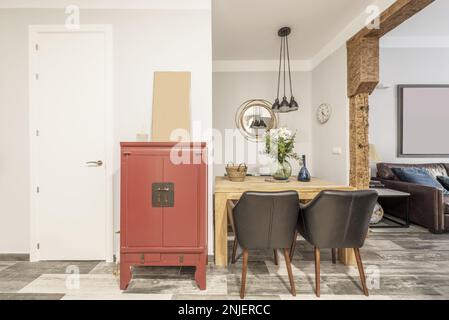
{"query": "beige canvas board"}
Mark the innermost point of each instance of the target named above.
(171, 105)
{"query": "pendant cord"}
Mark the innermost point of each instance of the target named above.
(289, 70)
(280, 66)
(284, 67)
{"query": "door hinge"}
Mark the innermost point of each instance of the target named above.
(36, 46)
(37, 76)
(37, 133)
(38, 189)
(38, 246)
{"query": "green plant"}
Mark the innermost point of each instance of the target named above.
(280, 144)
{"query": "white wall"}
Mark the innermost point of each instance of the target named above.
(329, 86)
(402, 66)
(231, 89)
(144, 41)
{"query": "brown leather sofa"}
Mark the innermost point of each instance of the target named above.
(428, 206)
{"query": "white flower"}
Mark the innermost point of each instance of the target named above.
(281, 133)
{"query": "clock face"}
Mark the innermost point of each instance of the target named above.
(324, 113)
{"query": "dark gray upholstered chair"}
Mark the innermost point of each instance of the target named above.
(264, 221)
(337, 219)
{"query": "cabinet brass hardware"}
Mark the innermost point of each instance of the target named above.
(181, 259)
(163, 195)
(142, 258)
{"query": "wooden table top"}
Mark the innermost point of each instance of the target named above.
(224, 185)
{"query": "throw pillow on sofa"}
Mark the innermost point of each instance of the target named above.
(418, 176)
(444, 180)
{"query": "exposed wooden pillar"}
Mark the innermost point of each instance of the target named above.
(359, 145)
(363, 77)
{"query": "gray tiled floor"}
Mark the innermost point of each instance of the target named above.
(400, 264)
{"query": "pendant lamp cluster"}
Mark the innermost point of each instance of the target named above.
(284, 64)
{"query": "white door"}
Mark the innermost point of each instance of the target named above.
(70, 111)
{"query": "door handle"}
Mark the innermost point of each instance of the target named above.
(98, 163)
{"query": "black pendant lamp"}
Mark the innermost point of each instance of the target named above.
(285, 105)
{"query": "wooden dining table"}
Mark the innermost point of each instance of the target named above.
(226, 190)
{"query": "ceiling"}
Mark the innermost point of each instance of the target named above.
(433, 21)
(247, 29)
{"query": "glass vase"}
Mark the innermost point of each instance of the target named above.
(304, 175)
(281, 170)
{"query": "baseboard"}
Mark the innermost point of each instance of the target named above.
(14, 257)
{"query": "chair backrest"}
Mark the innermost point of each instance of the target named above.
(266, 220)
(338, 219)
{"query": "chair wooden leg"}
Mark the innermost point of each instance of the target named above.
(234, 251)
(334, 256)
(244, 269)
(275, 253)
(293, 247)
(290, 273)
(317, 271)
(361, 271)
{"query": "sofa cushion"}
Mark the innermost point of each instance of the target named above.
(419, 176)
(384, 170)
(444, 180)
(446, 165)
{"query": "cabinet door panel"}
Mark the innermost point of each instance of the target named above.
(181, 221)
(143, 222)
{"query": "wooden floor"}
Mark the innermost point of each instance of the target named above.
(399, 263)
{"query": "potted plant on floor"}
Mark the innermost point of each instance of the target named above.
(280, 145)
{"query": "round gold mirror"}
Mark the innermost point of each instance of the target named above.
(254, 118)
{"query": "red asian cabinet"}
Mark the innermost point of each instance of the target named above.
(163, 219)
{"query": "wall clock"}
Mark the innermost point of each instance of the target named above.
(324, 113)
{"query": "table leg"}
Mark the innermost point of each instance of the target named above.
(347, 256)
(407, 213)
(221, 230)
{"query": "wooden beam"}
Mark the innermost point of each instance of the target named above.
(363, 65)
(392, 17)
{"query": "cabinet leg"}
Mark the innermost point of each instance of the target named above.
(125, 275)
(200, 273)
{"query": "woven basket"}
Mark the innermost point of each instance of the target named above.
(236, 173)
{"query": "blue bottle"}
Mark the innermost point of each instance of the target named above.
(304, 174)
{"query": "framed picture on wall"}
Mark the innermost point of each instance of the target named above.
(423, 115)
